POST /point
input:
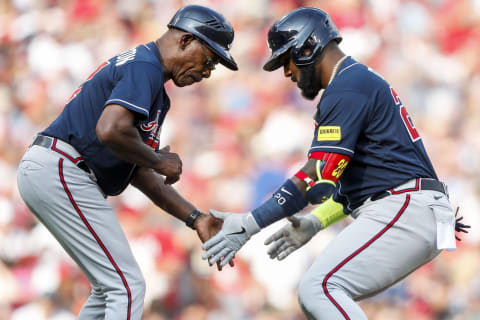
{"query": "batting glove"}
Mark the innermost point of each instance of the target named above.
(292, 236)
(459, 226)
(235, 232)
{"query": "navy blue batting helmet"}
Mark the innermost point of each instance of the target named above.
(210, 27)
(304, 33)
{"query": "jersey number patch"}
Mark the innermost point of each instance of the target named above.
(342, 164)
(409, 124)
(407, 120)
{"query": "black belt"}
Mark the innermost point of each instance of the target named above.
(420, 184)
(63, 148)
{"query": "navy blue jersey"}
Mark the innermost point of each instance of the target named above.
(134, 80)
(361, 116)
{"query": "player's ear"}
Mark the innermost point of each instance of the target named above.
(185, 40)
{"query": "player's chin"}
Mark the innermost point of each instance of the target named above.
(308, 91)
(186, 81)
(309, 94)
(181, 83)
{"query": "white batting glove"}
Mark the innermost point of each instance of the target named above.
(292, 236)
(235, 232)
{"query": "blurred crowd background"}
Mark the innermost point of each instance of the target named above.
(239, 134)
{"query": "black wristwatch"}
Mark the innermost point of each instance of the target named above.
(192, 217)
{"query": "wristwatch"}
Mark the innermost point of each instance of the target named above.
(192, 217)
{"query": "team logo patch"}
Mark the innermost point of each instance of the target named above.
(154, 128)
(329, 133)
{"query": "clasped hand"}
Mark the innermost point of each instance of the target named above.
(237, 229)
(169, 165)
(235, 232)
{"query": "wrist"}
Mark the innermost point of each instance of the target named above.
(329, 212)
(317, 225)
(251, 225)
(193, 218)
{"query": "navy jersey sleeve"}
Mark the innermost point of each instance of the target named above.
(339, 120)
(137, 87)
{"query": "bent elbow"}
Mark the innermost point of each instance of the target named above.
(114, 124)
(105, 133)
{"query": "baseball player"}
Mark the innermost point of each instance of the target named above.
(106, 138)
(366, 160)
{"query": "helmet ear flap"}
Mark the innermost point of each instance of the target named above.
(306, 53)
(308, 48)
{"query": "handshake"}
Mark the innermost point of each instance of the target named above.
(237, 229)
(225, 233)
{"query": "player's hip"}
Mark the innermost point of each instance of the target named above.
(45, 153)
(42, 171)
(425, 191)
(426, 213)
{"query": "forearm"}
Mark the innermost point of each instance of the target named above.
(286, 201)
(314, 184)
(127, 144)
(116, 129)
(163, 195)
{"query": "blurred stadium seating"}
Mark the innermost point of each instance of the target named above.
(239, 135)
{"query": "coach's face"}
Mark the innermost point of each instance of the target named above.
(195, 63)
(305, 77)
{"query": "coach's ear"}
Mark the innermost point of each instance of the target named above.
(185, 40)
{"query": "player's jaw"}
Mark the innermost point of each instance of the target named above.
(308, 82)
(187, 79)
(193, 70)
(305, 77)
(190, 75)
(187, 74)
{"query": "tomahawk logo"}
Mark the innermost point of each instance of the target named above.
(155, 129)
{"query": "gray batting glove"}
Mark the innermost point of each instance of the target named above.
(292, 236)
(235, 232)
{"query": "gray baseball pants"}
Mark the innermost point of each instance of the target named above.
(389, 239)
(68, 202)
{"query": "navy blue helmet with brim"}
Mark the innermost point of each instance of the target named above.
(303, 33)
(210, 27)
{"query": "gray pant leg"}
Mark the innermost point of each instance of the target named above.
(95, 306)
(388, 241)
(73, 209)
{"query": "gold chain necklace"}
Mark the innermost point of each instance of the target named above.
(335, 68)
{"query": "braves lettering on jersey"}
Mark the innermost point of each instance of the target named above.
(361, 116)
(132, 79)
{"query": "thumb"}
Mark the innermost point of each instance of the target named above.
(219, 214)
(294, 221)
(165, 149)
